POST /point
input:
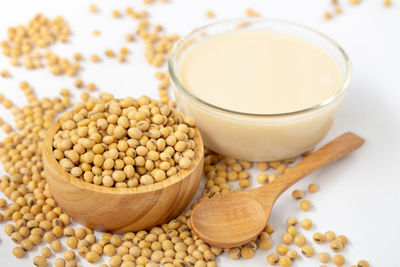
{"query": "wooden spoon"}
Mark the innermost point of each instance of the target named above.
(235, 219)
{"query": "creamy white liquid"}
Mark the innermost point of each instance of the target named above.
(259, 71)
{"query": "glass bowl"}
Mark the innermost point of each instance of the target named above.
(260, 137)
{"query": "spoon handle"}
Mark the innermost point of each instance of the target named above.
(334, 150)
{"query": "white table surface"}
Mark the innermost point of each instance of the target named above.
(358, 197)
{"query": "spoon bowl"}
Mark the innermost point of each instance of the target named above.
(242, 213)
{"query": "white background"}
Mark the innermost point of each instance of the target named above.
(359, 195)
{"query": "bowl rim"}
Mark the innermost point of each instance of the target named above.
(172, 64)
(48, 156)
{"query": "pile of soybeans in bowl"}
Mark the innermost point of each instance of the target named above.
(124, 143)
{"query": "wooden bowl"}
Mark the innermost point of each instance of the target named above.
(121, 209)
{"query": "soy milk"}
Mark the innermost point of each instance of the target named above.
(261, 72)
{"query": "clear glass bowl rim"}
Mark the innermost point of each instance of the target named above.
(175, 80)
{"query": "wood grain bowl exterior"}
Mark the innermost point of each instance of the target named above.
(121, 209)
